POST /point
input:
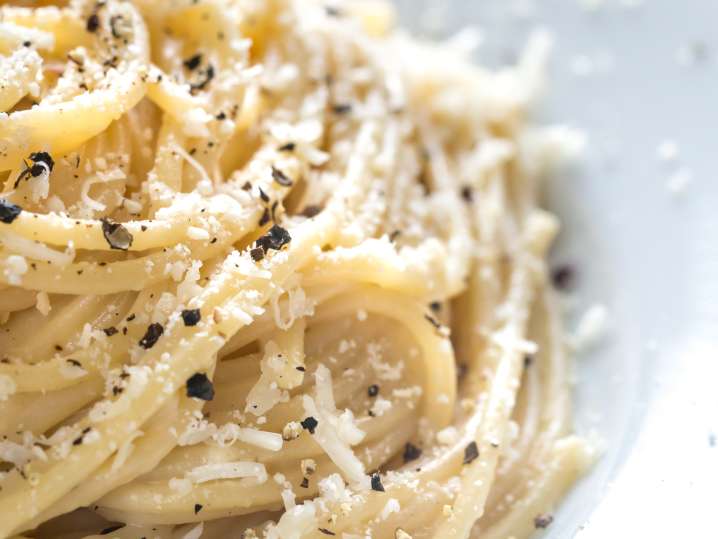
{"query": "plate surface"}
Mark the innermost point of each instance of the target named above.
(640, 216)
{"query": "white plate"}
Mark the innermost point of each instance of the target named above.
(633, 78)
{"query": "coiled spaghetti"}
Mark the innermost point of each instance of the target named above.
(269, 268)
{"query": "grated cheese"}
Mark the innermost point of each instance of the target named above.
(291, 431)
(229, 433)
(447, 436)
(15, 267)
(295, 523)
(125, 450)
(198, 430)
(392, 506)
(343, 423)
(297, 303)
(71, 371)
(266, 394)
(16, 454)
(253, 473)
(196, 233)
(383, 370)
(35, 250)
(380, 407)
(42, 303)
(338, 450)
(333, 489)
(194, 123)
(180, 485)
(194, 532)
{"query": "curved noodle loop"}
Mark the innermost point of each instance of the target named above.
(271, 269)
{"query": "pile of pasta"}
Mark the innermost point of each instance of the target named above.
(271, 268)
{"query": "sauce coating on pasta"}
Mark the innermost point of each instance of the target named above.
(271, 268)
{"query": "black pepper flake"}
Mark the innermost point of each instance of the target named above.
(27, 43)
(543, 521)
(117, 235)
(528, 360)
(257, 254)
(264, 196)
(112, 330)
(247, 186)
(373, 390)
(200, 387)
(332, 11)
(221, 116)
(467, 194)
(191, 317)
(563, 277)
(131, 317)
(288, 147)
(435, 306)
(309, 424)
(93, 23)
(411, 452)
(432, 321)
(376, 483)
(461, 370)
(344, 108)
(193, 62)
(8, 211)
(74, 362)
(202, 84)
(281, 178)
(304, 483)
(301, 369)
(152, 335)
(78, 440)
(424, 182)
(326, 531)
(311, 211)
(197, 508)
(111, 529)
(264, 219)
(394, 235)
(41, 162)
(113, 26)
(276, 238)
(111, 62)
(471, 453)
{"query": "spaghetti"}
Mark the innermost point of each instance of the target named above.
(272, 269)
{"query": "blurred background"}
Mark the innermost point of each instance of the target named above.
(640, 214)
